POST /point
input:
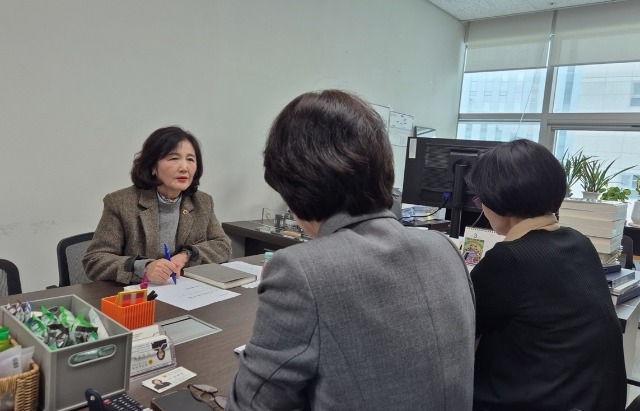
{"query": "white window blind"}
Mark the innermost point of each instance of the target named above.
(518, 42)
(603, 33)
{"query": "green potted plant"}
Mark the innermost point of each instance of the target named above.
(594, 177)
(616, 194)
(573, 164)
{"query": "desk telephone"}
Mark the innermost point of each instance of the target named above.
(116, 402)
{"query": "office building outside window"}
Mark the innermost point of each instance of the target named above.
(564, 97)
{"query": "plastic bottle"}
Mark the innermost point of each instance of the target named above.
(267, 257)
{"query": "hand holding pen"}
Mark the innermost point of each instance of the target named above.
(158, 271)
(168, 257)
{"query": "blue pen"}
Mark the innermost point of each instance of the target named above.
(168, 257)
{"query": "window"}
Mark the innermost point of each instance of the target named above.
(511, 85)
(619, 146)
(498, 131)
(571, 85)
(597, 88)
(635, 95)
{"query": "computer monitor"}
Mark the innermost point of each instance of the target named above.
(434, 174)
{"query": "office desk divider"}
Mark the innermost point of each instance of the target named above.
(103, 364)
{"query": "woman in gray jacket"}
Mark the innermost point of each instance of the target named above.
(368, 315)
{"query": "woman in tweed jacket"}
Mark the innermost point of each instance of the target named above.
(163, 207)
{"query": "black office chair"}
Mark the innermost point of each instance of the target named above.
(627, 250)
(70, 252)
(9, 278)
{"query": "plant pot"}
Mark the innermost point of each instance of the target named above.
(635, 213)
(591, 196)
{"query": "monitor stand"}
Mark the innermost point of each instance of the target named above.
(457, 198)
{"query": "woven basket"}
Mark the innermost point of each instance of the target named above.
(25, 386)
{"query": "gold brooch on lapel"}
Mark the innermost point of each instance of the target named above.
(185, 211)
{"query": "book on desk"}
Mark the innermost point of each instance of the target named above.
(218, 275)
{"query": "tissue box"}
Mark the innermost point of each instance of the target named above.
(65, 373)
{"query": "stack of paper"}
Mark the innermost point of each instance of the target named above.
(601, 221)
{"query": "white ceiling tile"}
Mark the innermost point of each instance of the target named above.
(467, 10)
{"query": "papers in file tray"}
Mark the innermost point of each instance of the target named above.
(625, 291)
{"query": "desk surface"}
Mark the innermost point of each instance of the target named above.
(210, 357)
(249, 229)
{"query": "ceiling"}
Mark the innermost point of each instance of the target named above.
(467, 10)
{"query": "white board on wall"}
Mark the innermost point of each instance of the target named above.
(384, 112)
(400, 128)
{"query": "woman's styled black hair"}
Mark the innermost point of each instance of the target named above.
(327, 152)
(520, 178)
(157, 146)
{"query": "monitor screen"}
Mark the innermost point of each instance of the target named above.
(434, 174)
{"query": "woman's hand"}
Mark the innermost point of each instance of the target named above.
(180, 260)
(159, 271)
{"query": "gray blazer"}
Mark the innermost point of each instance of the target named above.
(129, 230)
(369, 315)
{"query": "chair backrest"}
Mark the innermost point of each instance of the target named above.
(70, 252)
(627, 250)
(9, 278)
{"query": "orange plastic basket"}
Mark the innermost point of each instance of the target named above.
(132, 316)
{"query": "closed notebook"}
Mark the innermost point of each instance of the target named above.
(219, 275)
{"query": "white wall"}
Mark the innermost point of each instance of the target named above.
(83, 83)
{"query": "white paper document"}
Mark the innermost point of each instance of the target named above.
(190, 294)
(247, 268)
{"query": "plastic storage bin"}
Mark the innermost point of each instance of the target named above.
(65, 373)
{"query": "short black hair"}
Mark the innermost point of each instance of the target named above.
(328, 151)
(157, 146)
(520, 178)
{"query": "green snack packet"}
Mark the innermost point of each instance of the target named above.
(66, 317)
(4, 338)
(37, 328)
(48, 317)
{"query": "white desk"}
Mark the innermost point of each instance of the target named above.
(628, 313)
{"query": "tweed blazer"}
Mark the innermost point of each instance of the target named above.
(369, 315)
(129, 230)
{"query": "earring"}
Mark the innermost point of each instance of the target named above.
(153, 173)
